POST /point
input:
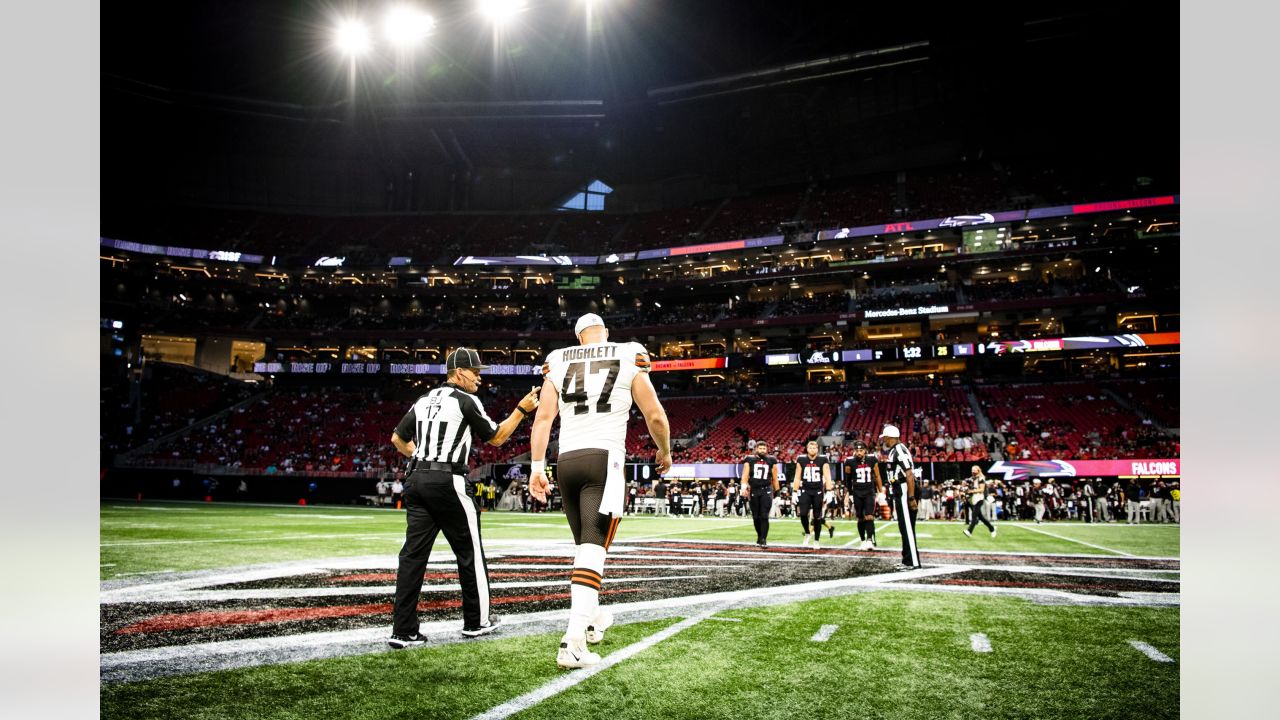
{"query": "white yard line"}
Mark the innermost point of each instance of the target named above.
(1079, 542)
(1150, 652)
(564, 682)
(979, 643)
(824, 633)
(682, 532)
(725, 619)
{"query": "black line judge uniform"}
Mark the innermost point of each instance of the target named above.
(437, 433)
(899, 473)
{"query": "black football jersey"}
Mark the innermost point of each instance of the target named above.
(760, 471)
(858, 475)
(811, 473)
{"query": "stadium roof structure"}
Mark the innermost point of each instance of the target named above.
(746, 93)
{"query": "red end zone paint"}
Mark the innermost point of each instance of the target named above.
(190, 621)
(550, 574)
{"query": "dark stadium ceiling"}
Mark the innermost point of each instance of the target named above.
(654, 82)
(281, 51)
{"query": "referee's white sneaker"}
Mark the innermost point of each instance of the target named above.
(574, 654)
(602, 621)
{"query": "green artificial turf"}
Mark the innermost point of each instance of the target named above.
(155, 537)
(895, 655)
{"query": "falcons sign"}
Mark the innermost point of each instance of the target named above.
(1023, 469)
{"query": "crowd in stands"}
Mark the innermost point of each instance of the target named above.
(1003, 290)
(1070, 420)
(830, 302)
(167, 398)
(314, 430)
(889, 298)
(755, 216)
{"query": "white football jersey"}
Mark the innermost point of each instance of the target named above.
(594, 383)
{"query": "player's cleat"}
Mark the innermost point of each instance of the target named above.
(817, 544)
(831, 531)
(993, 533)
(602, 622)
(902, 567)
(400, 642)
(966, 532)
(485, 629)
(575, 655)
(807, 540)
(866, 545)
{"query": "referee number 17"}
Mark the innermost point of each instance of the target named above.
(577, 377)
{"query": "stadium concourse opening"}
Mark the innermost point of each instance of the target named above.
(814, 224)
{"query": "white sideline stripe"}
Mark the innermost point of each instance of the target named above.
(477, 552)
(725, 619)
(564, 682)
(1150, 652)
(1064, 537)
(344, 536)
(824, 633)
(979, 643)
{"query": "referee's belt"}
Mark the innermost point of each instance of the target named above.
(451, 468)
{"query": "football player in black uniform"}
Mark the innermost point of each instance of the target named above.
(861, 476)
(813, 477)
(759, 483)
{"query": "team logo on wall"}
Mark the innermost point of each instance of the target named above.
(1023, 469)
(959, 220)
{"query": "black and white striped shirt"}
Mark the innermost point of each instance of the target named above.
(442, 423)
(897, 461)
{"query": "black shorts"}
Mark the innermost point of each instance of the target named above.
(864, 505)
(811, 503)
(581, 474)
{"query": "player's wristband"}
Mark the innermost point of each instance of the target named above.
(523, 411)
(537, 467)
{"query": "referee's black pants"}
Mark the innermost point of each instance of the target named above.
(761, 503)
(437, 502)
(906, 527)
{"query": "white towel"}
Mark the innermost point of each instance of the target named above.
(615, 485)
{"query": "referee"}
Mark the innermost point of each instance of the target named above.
(436, 433)
(899, 473)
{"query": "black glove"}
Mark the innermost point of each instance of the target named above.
(409, 466)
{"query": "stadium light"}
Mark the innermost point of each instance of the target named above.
(353, 37)
(501, 11)
(405, 26)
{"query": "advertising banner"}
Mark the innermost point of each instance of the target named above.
(1024, 469)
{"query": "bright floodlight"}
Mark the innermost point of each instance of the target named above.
(353, 37)
(406, 26)
(500, 11)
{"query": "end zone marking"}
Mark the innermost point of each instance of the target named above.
(1150, 652)
(824, 633)
(564, 682)
(979, 643)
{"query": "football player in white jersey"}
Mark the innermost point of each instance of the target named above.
(591, 387)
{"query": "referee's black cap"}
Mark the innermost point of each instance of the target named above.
(464, 358)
